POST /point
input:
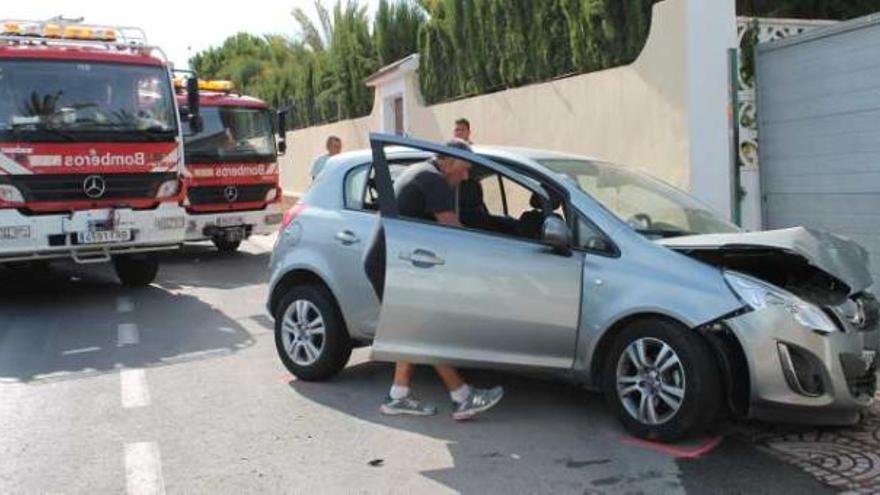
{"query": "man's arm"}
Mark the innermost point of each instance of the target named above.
(447, 218)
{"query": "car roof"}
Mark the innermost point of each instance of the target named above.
(524, 155)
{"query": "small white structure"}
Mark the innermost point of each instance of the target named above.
(393, 86)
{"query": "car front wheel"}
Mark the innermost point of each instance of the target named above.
(661, 380)
(310, 335)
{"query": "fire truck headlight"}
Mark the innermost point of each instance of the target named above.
(272, 195)
(168, 189)
(10, 194)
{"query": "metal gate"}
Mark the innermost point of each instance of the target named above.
(819, 132)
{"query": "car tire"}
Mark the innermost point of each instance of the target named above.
(307, 353)
(225, 246)
(136, 270)
(676, 393)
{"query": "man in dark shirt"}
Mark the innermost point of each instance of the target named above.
(427, 191)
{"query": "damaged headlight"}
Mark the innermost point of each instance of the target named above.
(759, 295)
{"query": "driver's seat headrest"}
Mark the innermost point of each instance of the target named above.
(535, 202)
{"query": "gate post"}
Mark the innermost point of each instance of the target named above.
(711, 32)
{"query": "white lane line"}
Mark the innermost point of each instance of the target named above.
(133, 384)
(127, 334)
(143, 469)
(263, 241)
(124, 305)
(81, 350)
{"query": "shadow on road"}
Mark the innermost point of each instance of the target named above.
(551, 436)
(201, 265)
(545, 434)
(69, 320)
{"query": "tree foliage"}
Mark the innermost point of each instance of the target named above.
(320, 72)
(471, 47)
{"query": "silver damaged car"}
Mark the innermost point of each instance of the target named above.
(591, 270)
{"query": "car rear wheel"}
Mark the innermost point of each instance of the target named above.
(310, 335)
(661, 380)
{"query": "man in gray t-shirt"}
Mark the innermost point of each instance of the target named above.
(426, 191)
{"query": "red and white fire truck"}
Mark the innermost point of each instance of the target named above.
(231, 172)
(90, 147)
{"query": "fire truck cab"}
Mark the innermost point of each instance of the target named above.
(232, 188)
(90, 147)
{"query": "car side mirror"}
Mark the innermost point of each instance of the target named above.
(557, 234)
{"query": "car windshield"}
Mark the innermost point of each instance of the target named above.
(47, 99)
(648, 205)
(232, 134)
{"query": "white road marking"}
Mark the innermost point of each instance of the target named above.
(143, 469)
(266, 242)
(133, 385)
(124, 305)
(82, 350)
(127, 334)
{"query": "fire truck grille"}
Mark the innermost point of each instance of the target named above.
(59, 188)
(221, 195)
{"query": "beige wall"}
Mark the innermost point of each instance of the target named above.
(635, 114)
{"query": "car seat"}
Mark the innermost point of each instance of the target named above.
(531, 223)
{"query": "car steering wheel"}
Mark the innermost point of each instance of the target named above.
(640, 221)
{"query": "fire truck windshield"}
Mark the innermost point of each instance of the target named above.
(43, 100)
(232, 134)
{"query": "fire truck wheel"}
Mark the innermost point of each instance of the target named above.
(136, 270)
(225, 246)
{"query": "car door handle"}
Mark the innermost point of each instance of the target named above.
(347, 237)
(422, 258)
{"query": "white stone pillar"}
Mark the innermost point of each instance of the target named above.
(711, 31)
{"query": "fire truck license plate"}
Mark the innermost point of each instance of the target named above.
(103, 236)
(230, 221)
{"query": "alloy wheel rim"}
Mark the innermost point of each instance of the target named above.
(650, 381)
(303, 332)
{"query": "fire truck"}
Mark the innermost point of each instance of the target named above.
(90, 147)
(231, 172)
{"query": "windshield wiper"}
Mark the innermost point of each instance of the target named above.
(29, 127)
(664, 233)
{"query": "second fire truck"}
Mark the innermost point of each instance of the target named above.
(231, 167)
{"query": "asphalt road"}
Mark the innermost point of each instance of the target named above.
(176, 388)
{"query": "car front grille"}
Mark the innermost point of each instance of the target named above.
(212, 195)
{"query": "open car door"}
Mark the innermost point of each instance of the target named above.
(463, 296)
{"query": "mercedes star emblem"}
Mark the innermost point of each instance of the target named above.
(94, 186)
(230, 193)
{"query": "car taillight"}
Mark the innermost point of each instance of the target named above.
(292, 213)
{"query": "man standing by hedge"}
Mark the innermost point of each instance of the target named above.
(463, 130)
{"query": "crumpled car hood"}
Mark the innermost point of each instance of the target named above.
(841, 258)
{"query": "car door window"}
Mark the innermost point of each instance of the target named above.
(493, 195)
(589, 238)
(359, 193)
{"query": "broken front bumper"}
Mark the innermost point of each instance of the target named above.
(797, 375)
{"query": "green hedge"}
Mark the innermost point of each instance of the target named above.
(471, 47)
